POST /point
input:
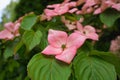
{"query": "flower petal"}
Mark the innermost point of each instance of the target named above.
(16, 27)
(90, 32)
(67, 55)
(53, 6)
(9, 26)
(73, 10)
(50, 13)
(57, 38)
(92, 36)
(62, 9)
(50, 50)
(116, 6)
(75, 39)
(89, 3)
(89, 29)
(79, 27)
(5, 34)
(97, 11)
(70, 26)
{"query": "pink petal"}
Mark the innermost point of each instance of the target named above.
(97, 11)
(81, 20)
(50, 13)
(53, 6)
(67, 55)
(90, 32)
(50, 50)
(72, 4)
(89, 29)
(9, 26)
(16, 27)
(89, 3)
(92, 36)
(5, 34)
(79, 26)
(75, 39)
(79, 12)
(70, 26)
(89, 10)
(73, 10)
(62, 10)
(116, 6)
(57, 38)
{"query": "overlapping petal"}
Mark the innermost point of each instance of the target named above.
(9, 26)
(57, 38)
(50, 13)
(75, 40)
(116, 6)
(79, 27)
(50, 50)
(90, 32)
(5, 34)
(87, 31)
(67, 55)
(10, 31)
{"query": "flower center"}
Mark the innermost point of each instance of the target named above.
(84, 32)
(63, 46)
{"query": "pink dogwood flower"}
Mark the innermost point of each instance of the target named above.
(116, 6)
(88, 31)
(59, 9)
(10, 31)
(61, 45)
(115, 45)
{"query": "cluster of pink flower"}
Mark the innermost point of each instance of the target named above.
(61, 45)
(89, 6)
(97, 6)
(64, 47)
(115, 45)
(11, 30)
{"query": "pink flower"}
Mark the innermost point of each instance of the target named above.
(59, 9)
(88, 31)
(10, 31)
(115, 45)
(116, 6)
(61, 45)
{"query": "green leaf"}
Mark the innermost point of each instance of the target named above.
(8, 52)
(109, 17)
(28, 21)
(18, 46)
(46, 68)
(109, 57)
(92, 68)
(31, 38)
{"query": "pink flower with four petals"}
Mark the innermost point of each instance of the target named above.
(61, 45)
(88, 31)
(10, 31)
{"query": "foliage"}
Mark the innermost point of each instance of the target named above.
(59, 45)
(37, 6)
